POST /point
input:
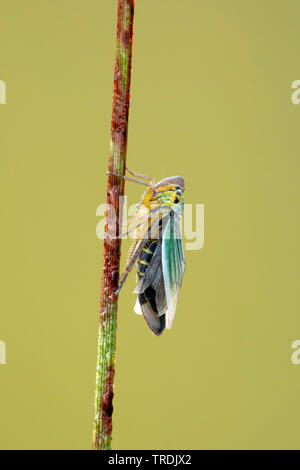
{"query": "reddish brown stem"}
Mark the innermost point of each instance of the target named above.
(102, 434)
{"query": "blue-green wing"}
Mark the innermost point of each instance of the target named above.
(173, 264)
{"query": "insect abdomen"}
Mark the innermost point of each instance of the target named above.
(147, 298)
(145, 258)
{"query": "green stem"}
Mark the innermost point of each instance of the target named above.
(102, 434)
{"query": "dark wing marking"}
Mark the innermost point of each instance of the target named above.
(151, 293)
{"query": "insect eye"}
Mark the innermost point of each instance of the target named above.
(176, 197)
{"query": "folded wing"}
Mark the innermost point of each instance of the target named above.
(173, 264)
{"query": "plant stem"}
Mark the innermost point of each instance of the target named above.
(102, 434)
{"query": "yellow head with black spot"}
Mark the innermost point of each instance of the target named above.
(168, 191)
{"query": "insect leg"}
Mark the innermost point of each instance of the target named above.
(140, 175)
(135, 180)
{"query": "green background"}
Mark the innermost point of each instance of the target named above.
(210, 100)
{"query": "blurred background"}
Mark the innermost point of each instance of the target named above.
(211, 101)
